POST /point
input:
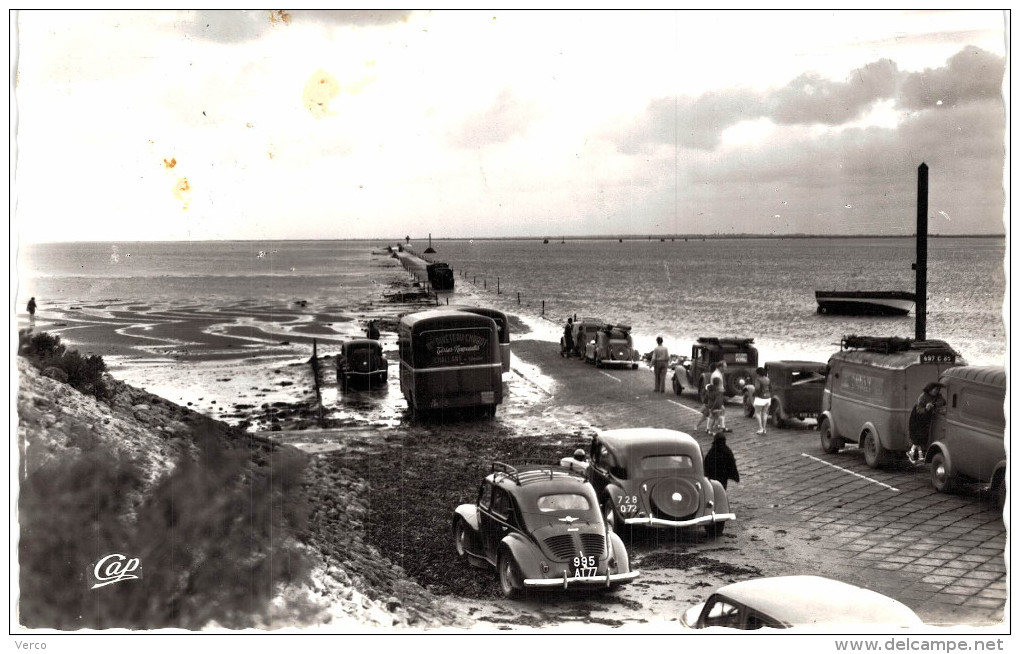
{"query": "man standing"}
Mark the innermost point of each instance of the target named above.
(660, 361)
(31, 311)
(567, 345)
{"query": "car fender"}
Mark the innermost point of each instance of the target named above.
(868, 426)
(469, 514)
(938, 447)
(525, 554)
(827, 415)
(721, 502)
(614, 491)
(619, 552)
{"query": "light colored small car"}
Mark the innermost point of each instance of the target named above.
(799, 601)
(540, 527)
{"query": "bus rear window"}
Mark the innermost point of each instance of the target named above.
(453, 347)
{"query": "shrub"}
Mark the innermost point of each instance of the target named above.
(84, 373)
(214, 538)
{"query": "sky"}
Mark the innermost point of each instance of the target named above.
(194, 125)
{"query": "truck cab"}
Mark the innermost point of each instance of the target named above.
(741, 359)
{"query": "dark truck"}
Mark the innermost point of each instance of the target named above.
(440, 276)
(797, 388)
(741, 359)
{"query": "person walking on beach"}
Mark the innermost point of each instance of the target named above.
(659, 363)
(719, 379)
(715, 398)
(720, 463)
(568, 338)
(919, 423)
(762, 399)
(31, 311)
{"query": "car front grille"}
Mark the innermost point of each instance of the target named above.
(565, 546)
(593, 544)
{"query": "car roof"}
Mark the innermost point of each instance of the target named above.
(990, 375)
(640, 440)
(362, 342)
(807, 365)
(808, 599)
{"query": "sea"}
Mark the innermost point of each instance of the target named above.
(679, 288)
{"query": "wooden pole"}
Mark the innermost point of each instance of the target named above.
(921, 265)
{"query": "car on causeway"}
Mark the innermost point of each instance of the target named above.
(540, 527)
(799, 601)
(652, 477)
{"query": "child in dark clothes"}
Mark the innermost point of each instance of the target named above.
(720, 463)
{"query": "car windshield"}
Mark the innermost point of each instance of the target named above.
(562, 502)
(667, 462)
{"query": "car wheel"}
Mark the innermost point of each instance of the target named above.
(609, 513)
(633, 366)
(941, 477)
(677, 388)
(460, 539)
(874, 453)
(508, 577)
(715, 529)
(1000, 491)
(831, 443)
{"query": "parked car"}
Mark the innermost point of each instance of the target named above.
(967, 435)
(652, 477)
(540, 527)
(741, 359)
(798, 601)
(797, 388)
(360, 364)
(612, 345)
(871, 386)
(585, 330)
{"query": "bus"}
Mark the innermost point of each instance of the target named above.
(502, 326)
(449, 359)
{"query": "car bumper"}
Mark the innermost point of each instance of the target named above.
(659, 522)
(566, 582)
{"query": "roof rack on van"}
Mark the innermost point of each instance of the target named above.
(883, 344)
(715, 340)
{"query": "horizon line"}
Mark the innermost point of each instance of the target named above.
(575, 237)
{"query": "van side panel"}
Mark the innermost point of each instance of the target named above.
(972, 428)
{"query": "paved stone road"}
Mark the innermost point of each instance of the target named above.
(942, 555)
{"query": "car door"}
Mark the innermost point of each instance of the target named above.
(598, 473)
(487, 523)
(497, 521)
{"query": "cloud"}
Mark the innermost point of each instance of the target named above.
(504, 119)
(809, 99)
(969, 76)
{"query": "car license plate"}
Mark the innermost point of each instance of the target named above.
(584, 566)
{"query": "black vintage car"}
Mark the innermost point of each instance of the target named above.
(797, 389)
(360, 364)
(440, 276)
(540, 527)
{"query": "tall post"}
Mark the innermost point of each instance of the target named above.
(921, 265)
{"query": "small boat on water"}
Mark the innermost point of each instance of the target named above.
(865, 303)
